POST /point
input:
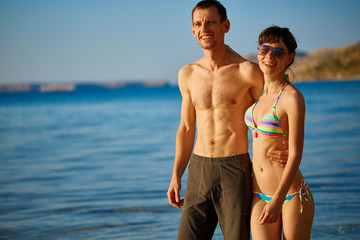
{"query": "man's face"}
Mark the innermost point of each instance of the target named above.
(207, 27)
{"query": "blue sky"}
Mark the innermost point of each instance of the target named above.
(45, 41)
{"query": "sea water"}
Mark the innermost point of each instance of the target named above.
(96, 164)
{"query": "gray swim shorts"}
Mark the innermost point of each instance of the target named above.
(217, 190)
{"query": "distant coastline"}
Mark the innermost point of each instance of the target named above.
(70, 87)
(336, 64)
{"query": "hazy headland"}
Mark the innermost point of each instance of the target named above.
(341, 63)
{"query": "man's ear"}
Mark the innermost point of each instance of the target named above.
(193, 31)
(226, 25)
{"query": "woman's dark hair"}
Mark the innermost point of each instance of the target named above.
(274, 33)
(212, 3)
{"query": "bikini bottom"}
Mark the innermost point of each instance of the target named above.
(304, 193)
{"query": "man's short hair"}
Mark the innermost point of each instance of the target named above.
(212, 3)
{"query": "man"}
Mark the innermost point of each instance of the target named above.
(216, 91)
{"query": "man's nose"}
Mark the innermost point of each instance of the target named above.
(204, 27)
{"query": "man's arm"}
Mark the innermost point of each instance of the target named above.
(254, 75)
(280, 156)
(184, 139)
(257, 78)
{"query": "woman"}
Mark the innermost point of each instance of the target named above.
(282, 199)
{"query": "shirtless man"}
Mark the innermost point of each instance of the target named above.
(216, 91)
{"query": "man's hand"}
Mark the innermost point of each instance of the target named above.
(280, 156)
(174, 193)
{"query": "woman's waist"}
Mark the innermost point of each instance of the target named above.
(263, 144)
(267, 181)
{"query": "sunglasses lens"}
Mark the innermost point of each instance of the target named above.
(263, 49)
(279, 52)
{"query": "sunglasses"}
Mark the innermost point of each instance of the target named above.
(278, 52)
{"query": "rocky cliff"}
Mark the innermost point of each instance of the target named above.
(328, 64)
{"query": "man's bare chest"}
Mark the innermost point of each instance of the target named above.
(215, 94)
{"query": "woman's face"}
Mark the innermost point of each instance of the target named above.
(274, 57)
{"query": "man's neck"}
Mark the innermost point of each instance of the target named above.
(216, 57)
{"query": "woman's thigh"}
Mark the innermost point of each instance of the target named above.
(265, 231)
(297, 225)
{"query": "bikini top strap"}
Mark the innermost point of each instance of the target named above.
(281, 90)
(259, 98)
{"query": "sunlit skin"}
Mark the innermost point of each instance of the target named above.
(216, 90)
(269, 178)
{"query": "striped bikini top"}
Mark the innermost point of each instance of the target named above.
(269, 125)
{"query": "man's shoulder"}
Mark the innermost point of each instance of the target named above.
(191, 66)
(248, 70)
(243, 63)
(248, 66)
(236, 58)
(186, 72)
(250, 73)
(188, 69)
